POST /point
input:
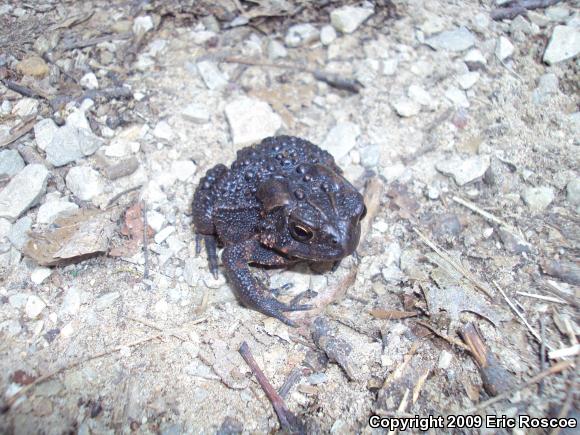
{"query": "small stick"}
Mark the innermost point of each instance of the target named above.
(470, 205)
(565, 352)
(154, 326)
(334, 80)
(495, 378)
(519, 8)
(145, 243)
(401, 408)
(419, 385)
(553, 288)
(288, 421)
(120, 194)
(94, 41)
(23, 90)
(448, 339)
(554, 370)
(6, 407)
(457, 266)
(542, 354)
(567, 405)
(291, 380)
(19, 131)
(542, 298)
(522, 318)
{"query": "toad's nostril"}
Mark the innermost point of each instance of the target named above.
(335, 240)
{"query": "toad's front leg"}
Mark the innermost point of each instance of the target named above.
(250, 290)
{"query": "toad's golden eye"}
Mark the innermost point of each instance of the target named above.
(300, 232)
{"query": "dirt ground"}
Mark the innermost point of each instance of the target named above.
(462, 130)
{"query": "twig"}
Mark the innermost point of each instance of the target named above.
(23, 90)
(495, 377)
(19, 131)
(572, 390)
(120, 194)
(542, 354)
(457, 266)
(288, 421)
(401, 408)
(542, 298)
(470, 205)
(290, 381)
(447, 338)
(334, 80)
(553, 288)
(145, 243)
(154, 326)
(519, 8)
(6, 407)
(554, 370)
(522, 318)
(94, 41)
(565, 352)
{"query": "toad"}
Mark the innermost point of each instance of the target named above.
(281, 201)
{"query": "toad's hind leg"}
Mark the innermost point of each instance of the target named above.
(203, 207)
(250, 290)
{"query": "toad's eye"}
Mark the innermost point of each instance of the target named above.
(300, 232)
(363, 213)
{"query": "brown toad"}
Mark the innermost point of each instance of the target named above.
(283, 200)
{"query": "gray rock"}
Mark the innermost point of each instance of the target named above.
(39, 274)
(457, 97)
(547, 87)
(564, 44)
(18, 235)
(34, 306)
(467, 80)
(276, 50)
(163, 131)
(251, 120)
(49, 211)
(89, 81)
(504, 48)
(347, 19)
(10, 162)
(71, 302)
(341, 139)
(183, 169)
(196, 113)
(317, 378)
(44, 132)
(84, 182)
(142, 25)
(573, 191)
(71, 142)
(327, 35)
(538, 198)
(299, 35)
(464, 171)
(212, 76)
(452, 40)
(390, 66)
(520, 24)
(474, 59)
(23, 191)
(106, 300)
(405, 107)
(370, 156)
(420, 95)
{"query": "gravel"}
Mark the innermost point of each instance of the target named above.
(23, 191)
